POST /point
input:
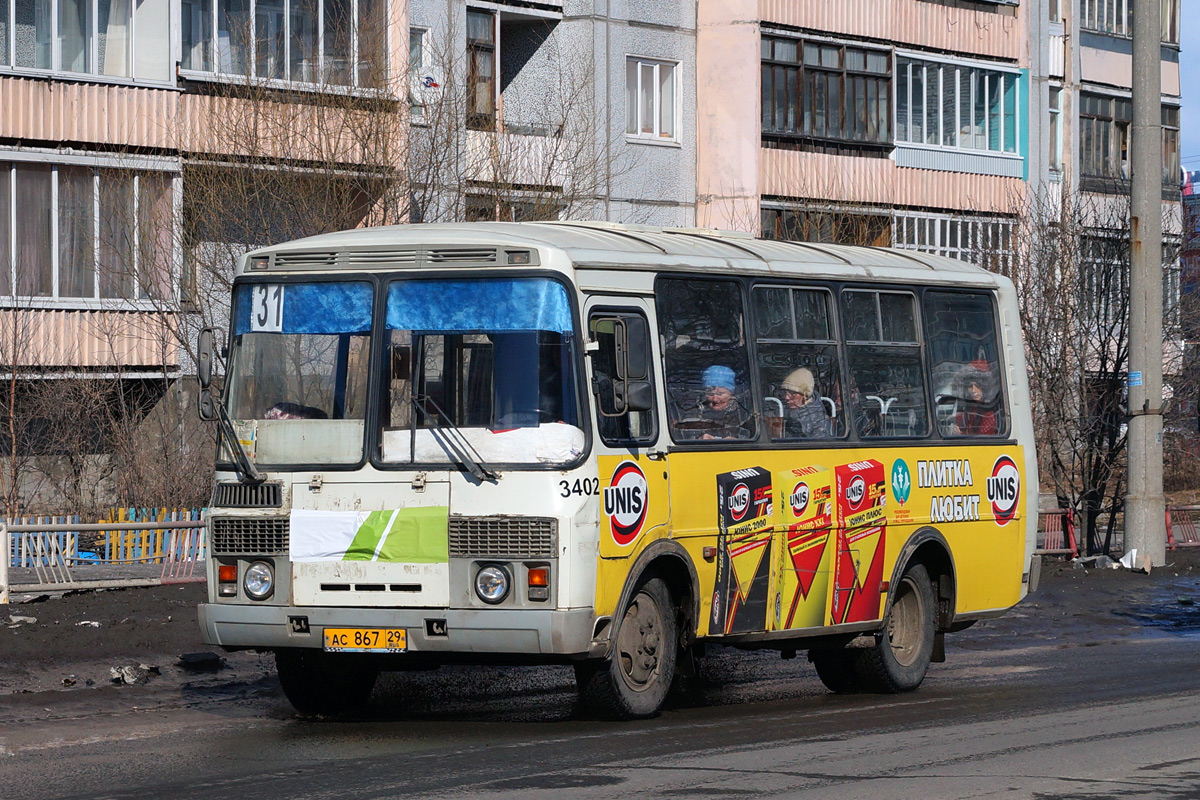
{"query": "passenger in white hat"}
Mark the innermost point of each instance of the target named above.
(804, 417)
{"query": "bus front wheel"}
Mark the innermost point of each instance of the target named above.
(633, 683)
(320, 683)
(903, 648)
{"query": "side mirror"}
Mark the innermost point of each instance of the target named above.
(206, 406)
(204, 358)
(637, 341)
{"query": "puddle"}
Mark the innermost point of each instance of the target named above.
(1177, 612)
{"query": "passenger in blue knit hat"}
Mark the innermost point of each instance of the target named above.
(721, 413)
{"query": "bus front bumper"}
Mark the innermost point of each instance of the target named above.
(527, 632)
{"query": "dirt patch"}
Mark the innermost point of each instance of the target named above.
(74, 640)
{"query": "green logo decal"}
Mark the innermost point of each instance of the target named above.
(901, 481)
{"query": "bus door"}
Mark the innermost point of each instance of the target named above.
(634, 496)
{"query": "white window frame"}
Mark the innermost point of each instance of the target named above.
(216, 75)
(900, 75)
(416, 107)
(973, 235)
(655, 136)
(1055, 132)
(7, 67)
(137, 165)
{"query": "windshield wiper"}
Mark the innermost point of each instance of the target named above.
(462, 449)
(247, 472)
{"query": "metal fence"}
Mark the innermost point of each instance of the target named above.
(45, 554)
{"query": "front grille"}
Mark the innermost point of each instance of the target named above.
(515, 537)
(248, 495)
(250, 536)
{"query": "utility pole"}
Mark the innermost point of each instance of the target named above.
(1145, 506)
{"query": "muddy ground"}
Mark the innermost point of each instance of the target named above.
(71, 643)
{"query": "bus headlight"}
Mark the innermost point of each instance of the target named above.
(492, 584)
(259, 580)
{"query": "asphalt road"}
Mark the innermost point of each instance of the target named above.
(1056, 700)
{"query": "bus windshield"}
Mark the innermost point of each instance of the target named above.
(298, 371)
(484, 365)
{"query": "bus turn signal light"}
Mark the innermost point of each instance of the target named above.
(227, 573)
(539, 583)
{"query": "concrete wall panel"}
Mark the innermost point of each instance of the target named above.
(56, 339)
(878, 181)
(35, 110)
(986, 31)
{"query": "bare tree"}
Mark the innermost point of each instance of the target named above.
(1072, 275)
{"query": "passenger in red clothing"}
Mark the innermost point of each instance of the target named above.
(976, 415)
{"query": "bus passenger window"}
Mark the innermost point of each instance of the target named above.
(706, 365)
(797, 363)
(887, 390)
(964, 364)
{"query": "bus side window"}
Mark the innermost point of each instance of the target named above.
(797, 363)
(964, 364)
(705, 361)
(624, 339)
(883, 354)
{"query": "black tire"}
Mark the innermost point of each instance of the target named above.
(903, 647)
(837, 669)
(634, 682)
(324, 684)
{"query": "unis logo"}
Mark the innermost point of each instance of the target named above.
(799, 498)
(626, 501)
(901, 481)
(739, 502)
(856, 491)
(1004, 489)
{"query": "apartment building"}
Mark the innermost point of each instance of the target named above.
(892, 122)
(104, 107)
(1087, 109)
(918, 124)
(572, 109)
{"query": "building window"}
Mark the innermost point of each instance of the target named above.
(1105, 278)
(481, 70)
(1107, 16)
(827, 225)
(1104, 127)
(1055, 136)
(416, 63)
(1116, 17)
(333, 42)
(1170, 21)
(80, 232)
(958, 106)
(650, 106)
(822, 90)
(109, 38)
(988, 242)
(1170, 146)
(1055, 13)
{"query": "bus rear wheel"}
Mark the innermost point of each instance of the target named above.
(324, 684)
(634, 682)
(903, 648)
(837, 669)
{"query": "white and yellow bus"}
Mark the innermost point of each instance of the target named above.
(608, 445)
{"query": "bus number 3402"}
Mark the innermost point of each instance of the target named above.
(581, 486)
